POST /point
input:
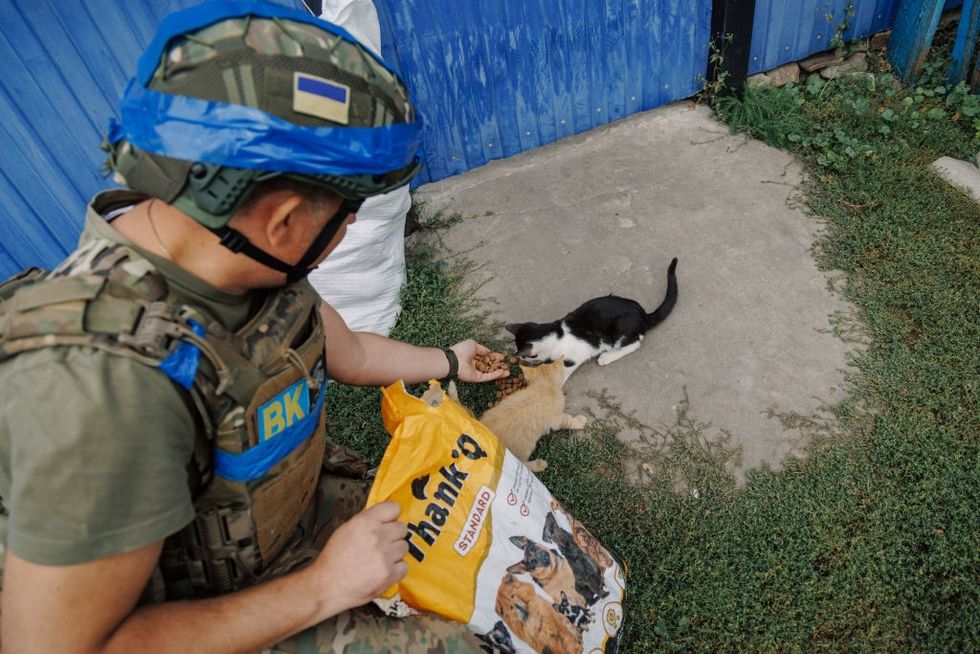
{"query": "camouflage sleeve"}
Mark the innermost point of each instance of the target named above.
(93, 455)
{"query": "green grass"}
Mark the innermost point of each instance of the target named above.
(872, 543)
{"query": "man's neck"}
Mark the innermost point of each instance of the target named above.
(170, 234)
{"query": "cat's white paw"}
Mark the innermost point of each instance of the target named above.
(615, 355)
(538, 465)
(578, 422)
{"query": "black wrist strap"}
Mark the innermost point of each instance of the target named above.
(453, 365)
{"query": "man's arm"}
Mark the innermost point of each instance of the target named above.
(365, 359)
(89, 608)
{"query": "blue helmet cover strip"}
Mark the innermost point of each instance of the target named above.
(244, 137)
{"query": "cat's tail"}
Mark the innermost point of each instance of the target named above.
(657, 316)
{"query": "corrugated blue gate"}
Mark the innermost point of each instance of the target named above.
(65, 65)
(492, 78)
(790, 30)
(498, 77)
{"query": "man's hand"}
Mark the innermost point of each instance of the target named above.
(465, 351)
(364, 557)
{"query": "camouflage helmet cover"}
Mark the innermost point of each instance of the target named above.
(328, 95)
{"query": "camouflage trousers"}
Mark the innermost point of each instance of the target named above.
(367, 631)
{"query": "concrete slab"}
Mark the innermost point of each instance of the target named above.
(605, 211)
(961, 174)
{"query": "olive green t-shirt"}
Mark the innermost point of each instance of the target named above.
(94, 447)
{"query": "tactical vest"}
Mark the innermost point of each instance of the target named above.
(257, 395)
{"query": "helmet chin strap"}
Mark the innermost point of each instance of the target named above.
(235, 241)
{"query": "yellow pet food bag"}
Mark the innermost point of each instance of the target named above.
(488, 545)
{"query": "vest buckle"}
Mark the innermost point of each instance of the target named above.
(155, 325)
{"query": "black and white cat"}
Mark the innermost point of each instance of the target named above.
(606, 327)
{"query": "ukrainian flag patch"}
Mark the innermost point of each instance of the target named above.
(315, 96)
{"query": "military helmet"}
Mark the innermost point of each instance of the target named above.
(232, 93)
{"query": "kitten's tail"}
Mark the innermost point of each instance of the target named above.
(655, 318)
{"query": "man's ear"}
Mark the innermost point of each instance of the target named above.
(280, 210)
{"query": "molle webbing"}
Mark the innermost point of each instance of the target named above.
(101, 297)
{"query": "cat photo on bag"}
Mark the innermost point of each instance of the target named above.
(607, 328)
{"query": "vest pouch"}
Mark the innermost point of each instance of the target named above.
(267, 461)
(277, 501)
(287, 438)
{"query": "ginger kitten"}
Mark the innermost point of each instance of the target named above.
(522, 418)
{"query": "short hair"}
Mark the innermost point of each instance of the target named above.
(318, 196)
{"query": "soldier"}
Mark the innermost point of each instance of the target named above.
(163, 449)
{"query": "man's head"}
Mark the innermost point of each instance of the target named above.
(236, 102)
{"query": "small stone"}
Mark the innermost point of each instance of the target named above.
(784, 74)
(822, 60)
(857, 63)
(759, 79)
(961, 174)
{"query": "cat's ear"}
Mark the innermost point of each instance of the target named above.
(514, 327)
(520, 541)
(517, 568)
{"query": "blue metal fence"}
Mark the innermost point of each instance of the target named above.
(491, 78)
(60, 72)
(65, 65)
(790, 30)
(498, 77)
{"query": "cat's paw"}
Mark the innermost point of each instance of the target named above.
(568, 422)
(538, 465)
(605, 359)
